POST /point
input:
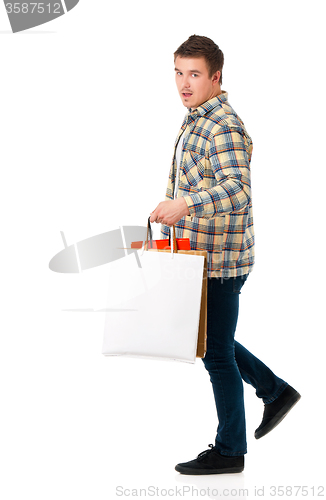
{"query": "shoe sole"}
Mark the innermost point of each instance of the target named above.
(202, 472)
(278, 417)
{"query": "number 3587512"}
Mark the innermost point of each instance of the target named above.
(33, 8)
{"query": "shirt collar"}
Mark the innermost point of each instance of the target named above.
(210, 104)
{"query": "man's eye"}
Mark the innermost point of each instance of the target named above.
(194, 74)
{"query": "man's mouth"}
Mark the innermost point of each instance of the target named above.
(186, 94)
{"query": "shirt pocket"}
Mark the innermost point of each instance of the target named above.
(193, 169)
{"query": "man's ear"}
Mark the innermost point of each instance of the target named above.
(216, 77)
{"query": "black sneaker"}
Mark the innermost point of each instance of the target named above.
(212, 462)
(275, 412)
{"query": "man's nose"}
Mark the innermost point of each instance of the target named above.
(186, 81)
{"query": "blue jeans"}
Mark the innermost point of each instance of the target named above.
(228, 362)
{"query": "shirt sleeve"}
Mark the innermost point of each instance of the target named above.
(229, 157)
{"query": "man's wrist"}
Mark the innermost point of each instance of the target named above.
(183, 206)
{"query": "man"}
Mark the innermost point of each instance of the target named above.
(208, 198)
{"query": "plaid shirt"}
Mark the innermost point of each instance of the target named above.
(214, 180)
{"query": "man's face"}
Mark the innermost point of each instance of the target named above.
(194, 85)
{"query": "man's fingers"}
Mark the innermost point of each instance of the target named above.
(156, 218)
(159, 220)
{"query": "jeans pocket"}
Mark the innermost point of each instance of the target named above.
(238, 283)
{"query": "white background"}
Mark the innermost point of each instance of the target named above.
(89, 115)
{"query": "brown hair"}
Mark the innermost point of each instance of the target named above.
(201, 46)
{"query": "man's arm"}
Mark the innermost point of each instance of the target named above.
(229, 161)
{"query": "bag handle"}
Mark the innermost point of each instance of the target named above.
(174, 247)
(149, 234)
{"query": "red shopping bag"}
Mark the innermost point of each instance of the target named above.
(179, 243)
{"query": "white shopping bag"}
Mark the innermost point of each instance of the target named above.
(162, 320)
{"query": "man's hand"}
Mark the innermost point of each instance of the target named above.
(169, 212)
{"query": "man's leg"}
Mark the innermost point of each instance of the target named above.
(228, 362)
(278, 396)
(219, 361)
(268, 386)
(230, 444)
